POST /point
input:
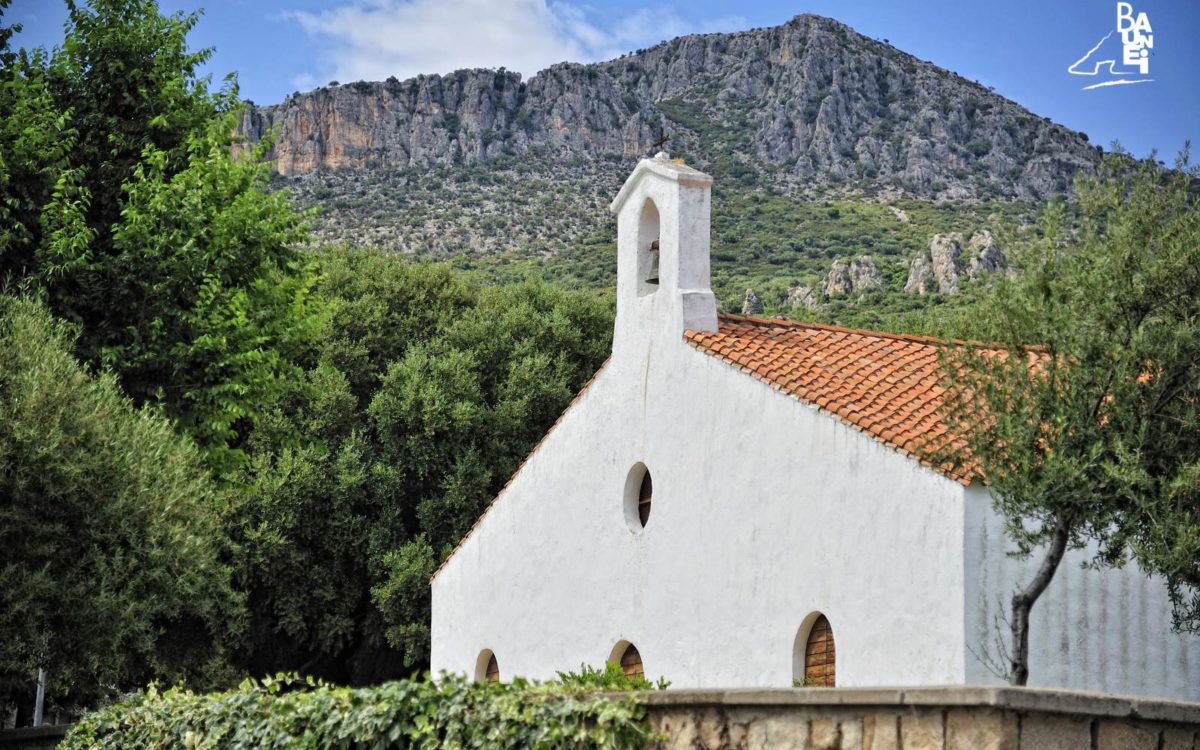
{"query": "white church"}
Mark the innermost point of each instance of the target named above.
(737, 502)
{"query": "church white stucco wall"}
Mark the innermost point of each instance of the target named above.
(764, 511)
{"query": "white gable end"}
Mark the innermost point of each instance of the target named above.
(765, 510)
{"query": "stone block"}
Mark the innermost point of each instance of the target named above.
(981, 729)
(675, 730)
(824, 735)
(1178, 739)
(695, 730)
(1116, 735)
(881, 731)
(1050, 732)
(852, 734)
(785, 730)
(922, 730)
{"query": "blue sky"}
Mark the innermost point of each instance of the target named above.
(1022, 48)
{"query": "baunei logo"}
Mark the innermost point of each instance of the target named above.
(1125, 61)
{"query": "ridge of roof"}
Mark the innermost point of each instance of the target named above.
(785, 323)
(910, 337)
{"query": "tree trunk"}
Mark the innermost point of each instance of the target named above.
(1023, 601)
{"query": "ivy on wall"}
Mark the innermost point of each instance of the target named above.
(286, 712)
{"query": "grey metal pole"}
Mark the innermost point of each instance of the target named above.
(40, 701)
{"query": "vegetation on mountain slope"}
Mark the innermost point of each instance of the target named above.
(510, 220)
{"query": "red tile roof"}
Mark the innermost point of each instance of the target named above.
(886, 385)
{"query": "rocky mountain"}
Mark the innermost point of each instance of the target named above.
(795, 122)
(811, 100)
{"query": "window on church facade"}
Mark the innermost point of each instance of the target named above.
(820, 655)
(487, 669)
(631, 662)
(645, 494)
(639, 496)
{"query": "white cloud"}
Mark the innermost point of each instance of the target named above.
(373, 39)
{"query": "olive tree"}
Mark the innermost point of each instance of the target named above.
(1084, 416)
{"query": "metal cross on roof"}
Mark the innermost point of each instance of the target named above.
(662, 140)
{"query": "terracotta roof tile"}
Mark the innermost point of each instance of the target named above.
(884, 384)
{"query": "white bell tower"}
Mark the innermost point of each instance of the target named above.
(663, 214)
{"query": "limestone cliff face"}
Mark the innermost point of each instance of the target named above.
(810, 101)
(426, 121)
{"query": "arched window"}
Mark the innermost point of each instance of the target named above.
(627, 655)
(487, 669)
(647, 250)
(814, 656)
(639, 493)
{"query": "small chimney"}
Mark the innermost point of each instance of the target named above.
(663, 214)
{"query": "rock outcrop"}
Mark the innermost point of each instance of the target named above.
(803, 298)
(812, 99)
(943, 267)
(751, 304)
(854, 277)
(983, 255)
(920, 276)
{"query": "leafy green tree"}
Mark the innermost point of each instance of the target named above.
(112, 570)
(1086, 420)
(126, 80)
(212, 300)
(123, 204)
(378, 306)
(403, 598)
(35, 142)
(427, 392)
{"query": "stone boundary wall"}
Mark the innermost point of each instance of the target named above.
(950, 718)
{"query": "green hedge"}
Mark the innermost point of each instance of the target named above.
(285, 712)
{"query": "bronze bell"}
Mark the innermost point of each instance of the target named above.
(652, 277)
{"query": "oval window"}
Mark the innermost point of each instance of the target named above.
(639, 497)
